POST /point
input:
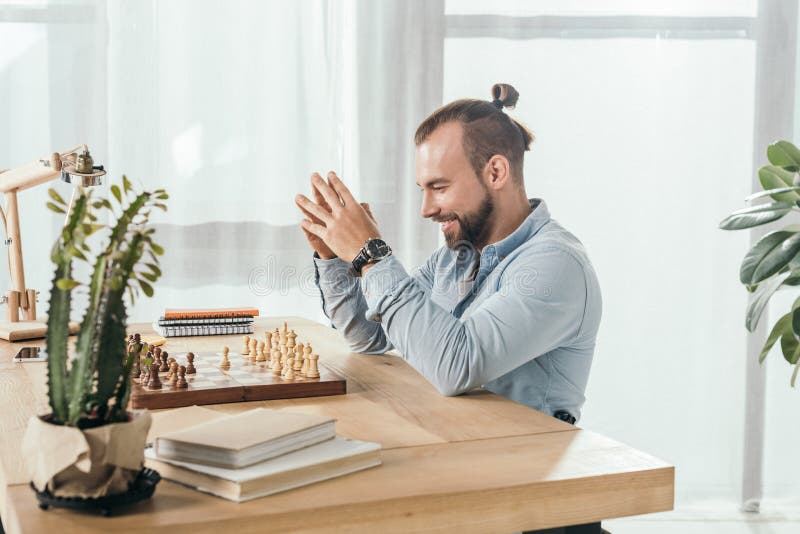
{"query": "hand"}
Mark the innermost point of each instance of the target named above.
(345, 226)
(319, 246)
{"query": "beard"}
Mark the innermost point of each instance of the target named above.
(473, 227)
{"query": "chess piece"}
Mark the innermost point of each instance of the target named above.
(136, 369)
(245, 349)
(268, 340)
(304, 368)
(173, 374)
(225, 363)
(155, 381)
(190, 370)
(298, 361)
(181, 382)
(164, 363)
(276, 362)
(253, 348)
(261, 356)
(313, 370)
(143, 376)
(289, 374)
(290, 338)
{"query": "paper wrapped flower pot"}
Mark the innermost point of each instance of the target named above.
(90, 463)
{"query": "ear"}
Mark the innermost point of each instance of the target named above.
(497, 172)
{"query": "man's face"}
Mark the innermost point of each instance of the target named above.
(452, 194)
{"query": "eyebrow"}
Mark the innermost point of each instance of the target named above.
(433, 181)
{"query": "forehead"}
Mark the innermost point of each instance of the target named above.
(441, 155)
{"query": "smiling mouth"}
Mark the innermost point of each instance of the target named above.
(448, 225)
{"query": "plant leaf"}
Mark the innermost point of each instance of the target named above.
(784, 154)
(149, 276)
(773, 177)
(146, 288)
(771, 254)
(156, 271)
(790, 346)
(755, 216)
(65, 284)
(771, 192)
(778, 329)
(116, 192)
(55, 207)
(126, 184)
(56, 197)
(760, 300)
(157, 248)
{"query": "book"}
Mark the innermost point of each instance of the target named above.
(329, 459)
(209, 313)
(203, 330)
(206, 321)
(245, 438)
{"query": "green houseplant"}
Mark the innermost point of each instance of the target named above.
(774, 261)
(90, 445)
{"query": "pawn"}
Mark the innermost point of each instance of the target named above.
(190, 370)
(144, 376)
(298, 361)
(261, 356)
(268, 340)
(304, 368)
(164, 362)
(155, 381)
(289, 374)
(276, 362)
(313, 370)
(245, 349)
(253, 348)
(181, 382)
(225, 363)
(173, 374)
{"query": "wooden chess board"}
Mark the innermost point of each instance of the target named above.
(245, 380)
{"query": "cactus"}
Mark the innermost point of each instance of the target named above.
(96, 387)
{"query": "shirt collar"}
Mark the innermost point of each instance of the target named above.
(538, 217)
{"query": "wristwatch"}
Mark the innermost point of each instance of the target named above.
(375, 249)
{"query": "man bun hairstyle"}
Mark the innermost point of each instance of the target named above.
(488, 131)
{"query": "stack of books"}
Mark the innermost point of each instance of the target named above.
(257, 453)
(205, 322)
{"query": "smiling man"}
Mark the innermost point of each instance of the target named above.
(510, 304)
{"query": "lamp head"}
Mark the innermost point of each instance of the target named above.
(82, 171)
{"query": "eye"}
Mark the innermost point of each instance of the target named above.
(438, 187)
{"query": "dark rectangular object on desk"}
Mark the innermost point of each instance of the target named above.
(244, 381)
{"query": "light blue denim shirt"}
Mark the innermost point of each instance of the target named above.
(523, 325)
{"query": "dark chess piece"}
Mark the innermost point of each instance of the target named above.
(144, 378)
(155, 381)
(190, 370)
(137, 365)
(164, 363)
(181, 382)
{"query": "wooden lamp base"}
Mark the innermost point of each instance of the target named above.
(20, 330)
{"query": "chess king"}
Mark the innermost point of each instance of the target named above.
(511, 303)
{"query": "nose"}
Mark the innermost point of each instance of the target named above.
(429, 208)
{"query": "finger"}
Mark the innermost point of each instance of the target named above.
(310, 215)
(368, 210)
(341, 189)
(304, 203)
(327, 192)
(318, 198)
(313, 228)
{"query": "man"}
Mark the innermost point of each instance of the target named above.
(511, 303)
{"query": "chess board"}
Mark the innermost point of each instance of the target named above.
(245, 380)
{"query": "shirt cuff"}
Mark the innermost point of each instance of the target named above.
(382, 285)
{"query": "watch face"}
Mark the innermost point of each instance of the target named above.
(377, 249)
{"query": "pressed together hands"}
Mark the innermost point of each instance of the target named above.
(336, 224)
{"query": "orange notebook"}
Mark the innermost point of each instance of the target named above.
(209, 313)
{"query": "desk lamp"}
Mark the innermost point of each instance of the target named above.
(72, 167)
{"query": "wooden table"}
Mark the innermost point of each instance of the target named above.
(474, 463)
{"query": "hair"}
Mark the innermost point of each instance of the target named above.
(487, 130)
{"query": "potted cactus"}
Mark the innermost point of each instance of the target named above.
(90, 445)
